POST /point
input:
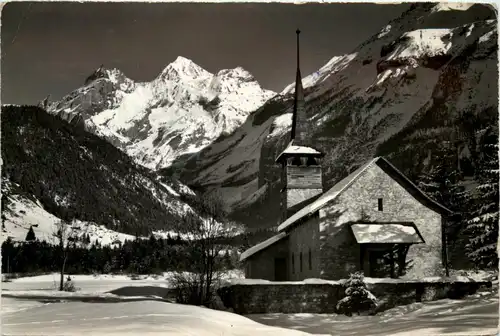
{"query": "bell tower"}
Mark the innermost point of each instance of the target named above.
(301, 176)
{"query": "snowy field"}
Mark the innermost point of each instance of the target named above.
(101, 283)
(476, 315)
(128, 318)
(139, 314)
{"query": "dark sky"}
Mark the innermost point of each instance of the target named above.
(50, 48)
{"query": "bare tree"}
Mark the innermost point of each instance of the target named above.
(207, 233)
(67, 235)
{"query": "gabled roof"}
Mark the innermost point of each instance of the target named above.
(292, 149)
(337, 189)
(261, 246)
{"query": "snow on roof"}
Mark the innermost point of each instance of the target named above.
(326, 197)
(259, 247)
(385, 233)
(300, 150)
(292, 149)
(331, 194)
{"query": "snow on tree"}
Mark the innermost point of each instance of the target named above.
(482, 224)
(358, 298)
(443, 183)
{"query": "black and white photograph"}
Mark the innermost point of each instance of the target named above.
(249, 168)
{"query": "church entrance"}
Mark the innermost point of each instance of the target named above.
(384, 260)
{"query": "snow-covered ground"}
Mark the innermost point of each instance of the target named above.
(128, 318)
(476, 315)
(100, 283)
(24, 212)
(136, 313)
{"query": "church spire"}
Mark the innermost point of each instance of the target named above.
(299, 113)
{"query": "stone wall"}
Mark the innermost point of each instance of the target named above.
(358, 203)
(303, 297)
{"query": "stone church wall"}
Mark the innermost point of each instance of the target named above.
(358, 203)
(261, 265)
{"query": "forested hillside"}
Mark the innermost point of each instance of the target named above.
(77, 175)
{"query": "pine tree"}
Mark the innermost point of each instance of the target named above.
(482, 226)
(30, 236)
(358, 298)
(443, 183)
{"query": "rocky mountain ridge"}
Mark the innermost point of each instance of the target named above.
(178, 113)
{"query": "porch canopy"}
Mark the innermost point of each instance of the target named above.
(386, 233)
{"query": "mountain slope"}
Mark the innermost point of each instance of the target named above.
(59, 170)
(404, 93)
(178, 113)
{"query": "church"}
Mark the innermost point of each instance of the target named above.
(375, 220)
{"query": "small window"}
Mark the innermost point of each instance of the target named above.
(310, 260)
(293, 263)
(380, 204)
(300, 261)
(296, 161)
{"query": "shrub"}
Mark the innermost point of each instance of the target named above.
(69, 286)
(135, 277)
(358, 298)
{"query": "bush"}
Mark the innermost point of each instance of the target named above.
(69, 286)
(358, 298)
(188, 288)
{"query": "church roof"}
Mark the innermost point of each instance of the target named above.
(261, 246)
(337, 189)
(386, 233)
(292, 149)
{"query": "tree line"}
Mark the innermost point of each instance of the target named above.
(472, 233)
(53, 161)
(140, 256)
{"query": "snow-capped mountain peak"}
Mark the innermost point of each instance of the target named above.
(183, 68)
(181, 111)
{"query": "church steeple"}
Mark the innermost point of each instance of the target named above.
(301, 175)
(299, 113)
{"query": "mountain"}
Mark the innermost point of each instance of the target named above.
(426, 80)
(53, 170)
(180, 112)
